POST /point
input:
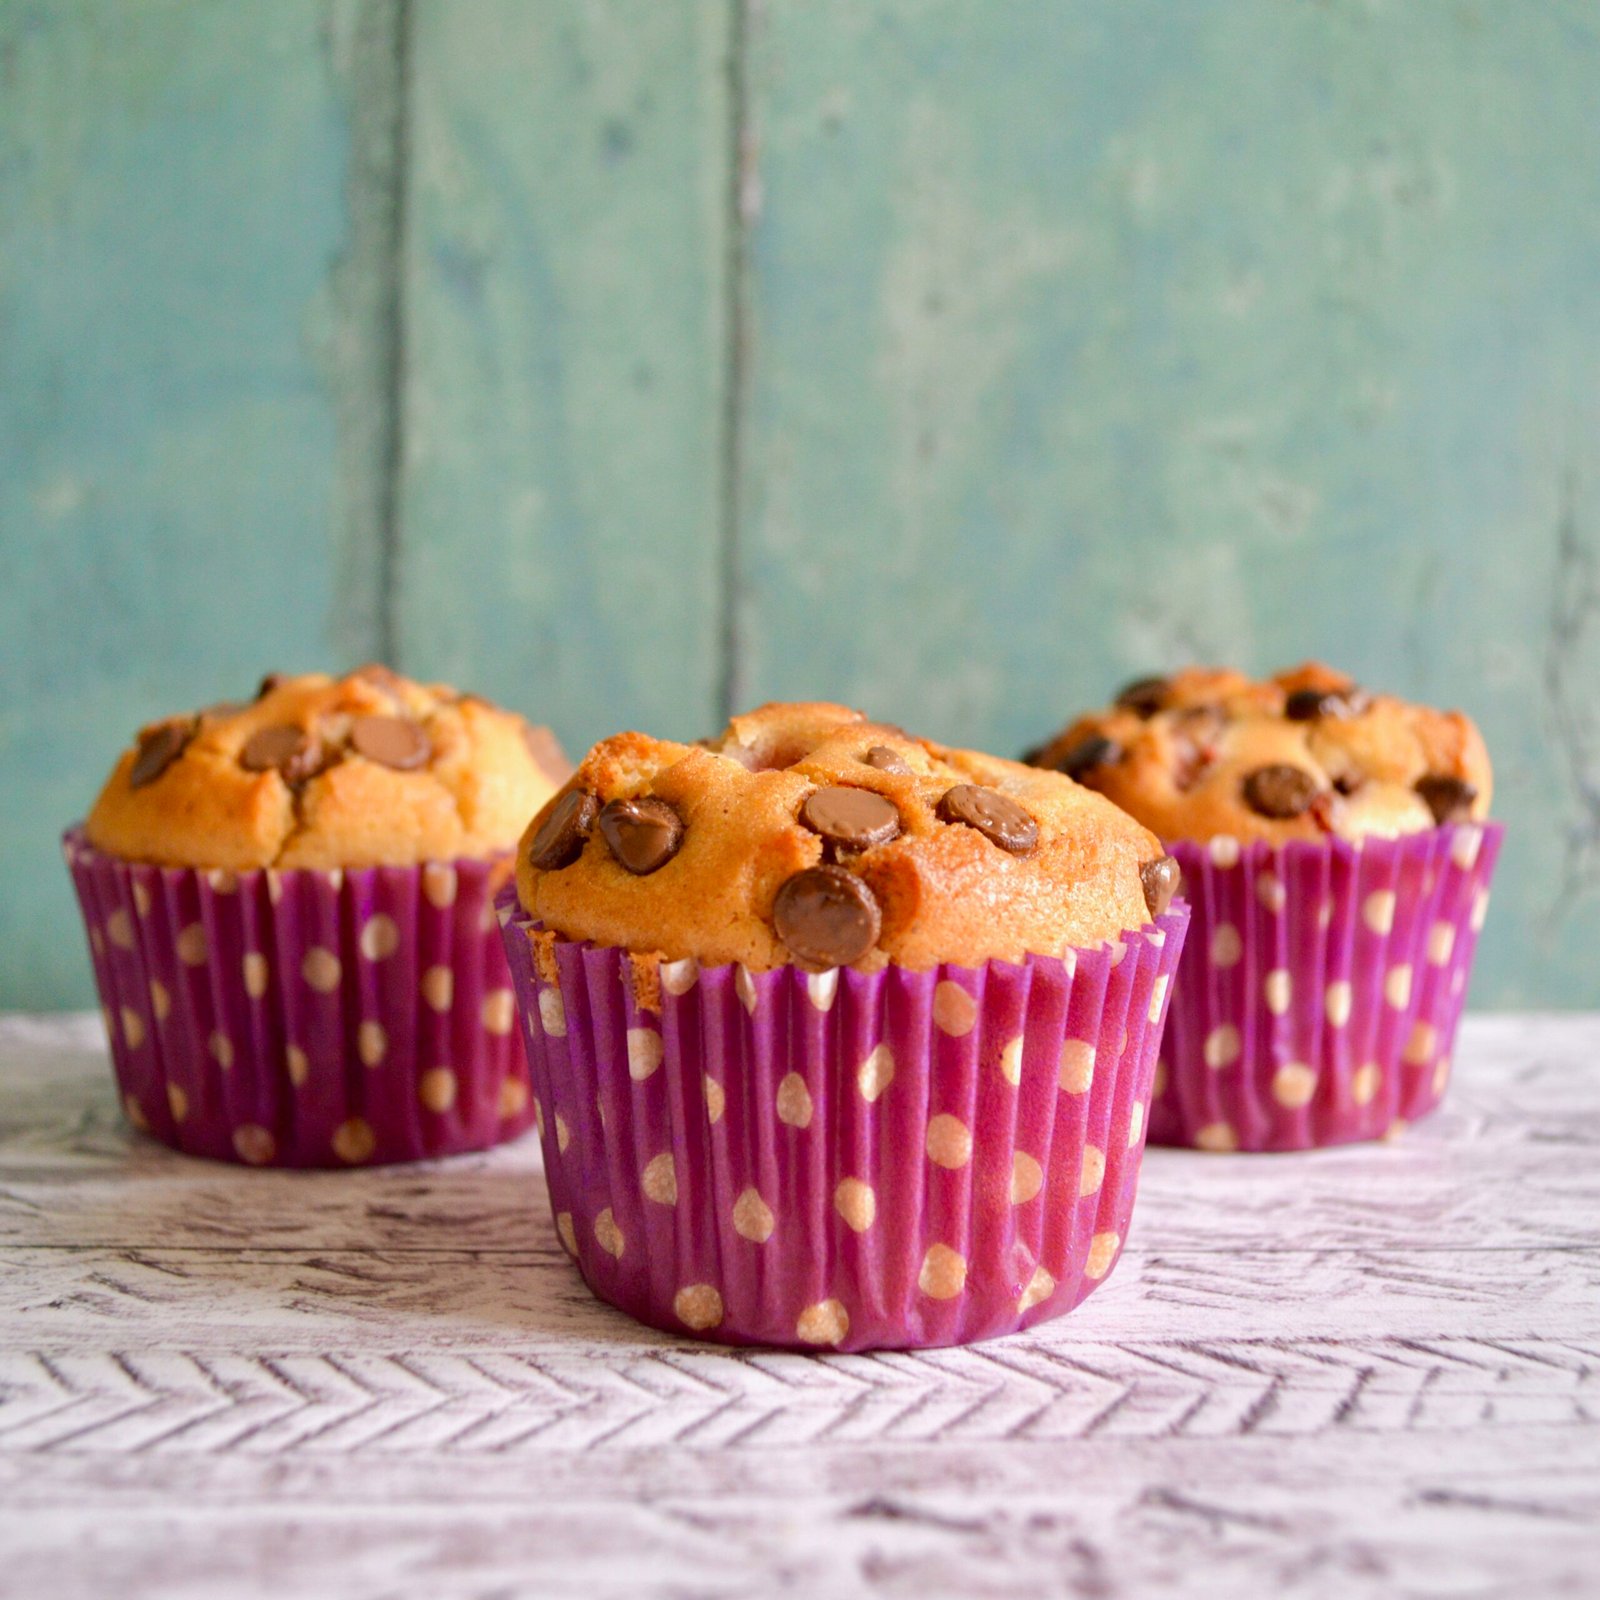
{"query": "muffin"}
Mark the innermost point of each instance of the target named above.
(1336, 852)
(290, 914)
(840, 1038)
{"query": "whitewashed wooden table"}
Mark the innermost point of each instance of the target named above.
(1373, 1371)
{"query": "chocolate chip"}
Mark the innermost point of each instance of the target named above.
(996, 816)
(1087, 754)
(1279, 791)
(1449, 799)
(1160, 879)
(1308, 705)
(269, 683)
(855, 819)
(295, 754)
(548, 756)
(644, 834)
(886, 759)
(159, 747)
(559, 839)
(827, 916)
(391, 741)
(1348, 782)
(1144, 695)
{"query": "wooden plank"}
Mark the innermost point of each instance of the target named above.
(172, 200)
(563, 277)
(1090, 339)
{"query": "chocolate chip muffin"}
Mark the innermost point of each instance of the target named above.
(1336, 853)
(839, 1037)
(315, 771)
(809, 834)
(1300, 755)
(289, 905)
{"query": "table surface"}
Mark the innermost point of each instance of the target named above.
(1369, 1371)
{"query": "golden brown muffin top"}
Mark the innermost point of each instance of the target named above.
(365, 770)
(1300, 755)
(806, 834)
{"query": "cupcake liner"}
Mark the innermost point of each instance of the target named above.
(1321, 986)
(306, 1018)
(842, 1160)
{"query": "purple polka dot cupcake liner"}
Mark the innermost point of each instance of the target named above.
(843, 1160)
(306, 1018)
(1318, 997)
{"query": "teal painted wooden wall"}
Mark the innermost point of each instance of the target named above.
(633, 358)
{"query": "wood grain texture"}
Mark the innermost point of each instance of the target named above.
(1088, 340)
(171, 196)
(563, 287)
(1361, 1373)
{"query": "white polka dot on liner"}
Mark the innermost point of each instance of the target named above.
(856, 1202)
(1011, 1061)
(1464, 847)
(1216, 1136)
(221, 1048)
(119, 929)
(1092, 1173)
(949, 1142)
(1294, 1085)
(1364, 1083)
(716, 1099)
(256, 974)
(1377, 910)
(380, 938)
(1027, 1177)
(191, 945)
(1135, 1123)
(1224, 851)
(608, 1235)
(498, 1012)
(954, 1010)
(1270, 892)
(1158, 997)
(752, 1217)
(697, 1305)
(1277, 991)
(567, 1233)
(645, 1052)
(744, 985)
(1441, 944)
(1223, 1046)
(354, 1141)
(876, 1073)
(512, 1100)
(826, 1322)
(439, 988)
(160, 1000)
(679, 977)
(822, 987)
(372, 1043)
(794, 1101)
(552, 1013)
(297, 1064)
(320, 968)
(1102, 1252)
(1338, 1001)
(177, 1102)
(1480, 910)
(436, 1089)
(133, 1030)
(1040, 1287)
(1397, 987)
(563, 1133)
(1420, 1045)
(659, 1180)
(1226, 945)
(439, 885)
(944, 1273)
(254, 1144)
(1077, 1066)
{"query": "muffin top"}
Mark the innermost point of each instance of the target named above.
(1300, 755)
(806, 834)
(365, 770)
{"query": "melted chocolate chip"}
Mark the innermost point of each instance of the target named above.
(996, 816)
(158, 749)
(827, 916)
(295, 754)
(853, 819)
(269, 683)
(1087, 754)
(1160, 879)
(644, 834)
(1309, 705)
(559, 839)
(886, 759)
(1348, 782)
(1449, 799)
(1144, 695)
(1279, 791)
(391, 741)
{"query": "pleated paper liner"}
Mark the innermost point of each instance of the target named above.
(843, 1160)
(306, 1018)
(1320, 989)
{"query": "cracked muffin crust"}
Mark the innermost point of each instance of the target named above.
(806, 834)
(371, 769)
(1303, 754)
